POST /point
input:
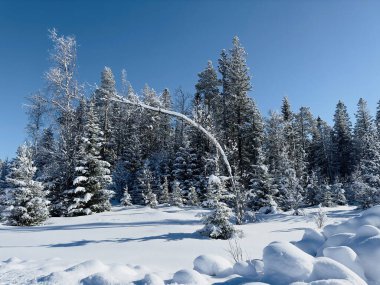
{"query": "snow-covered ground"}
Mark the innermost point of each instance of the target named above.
(128, 243)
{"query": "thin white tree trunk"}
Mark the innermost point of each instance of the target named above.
(186, 119)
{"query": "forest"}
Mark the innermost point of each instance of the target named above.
(86, 152)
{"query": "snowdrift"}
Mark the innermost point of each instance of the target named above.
(346, 253)
(342, 254)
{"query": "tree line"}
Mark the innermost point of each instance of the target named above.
(88, 150)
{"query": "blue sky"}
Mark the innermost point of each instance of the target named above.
(314, 52)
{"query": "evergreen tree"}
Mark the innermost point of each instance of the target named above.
(260, 192)
(164, 196)
(126, 200)
(363, 128)
(92, 174)
(193, 199)
(176, 196)
(342, 142)
(26, 197)
(217, 224)
(103, 100)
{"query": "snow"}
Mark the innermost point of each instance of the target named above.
(164, 247)
(213, 265)
(188, 276)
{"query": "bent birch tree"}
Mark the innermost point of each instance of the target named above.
(214, 141)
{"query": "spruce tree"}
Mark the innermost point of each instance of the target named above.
(126, 200)
(164, 195)
(92, 174)
(26, 197)
(342, 142)
(176, 195)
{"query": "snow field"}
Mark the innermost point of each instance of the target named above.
(165, 241)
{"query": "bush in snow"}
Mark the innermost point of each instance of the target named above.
(176, 196)
(26, 196)
(217, 224)
(126, 200)
(320, 218)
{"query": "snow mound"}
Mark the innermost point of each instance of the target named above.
(345, 256)
(285, 263)
(153, 279)
(188, 276)
(213, 265)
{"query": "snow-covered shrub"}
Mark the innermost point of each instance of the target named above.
(28, 205)
(217, 224)
(320, 217)
(235, 250)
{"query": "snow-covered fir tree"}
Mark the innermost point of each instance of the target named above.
(126, 200)
(89, 192)
(176, 198)
(164, 197)
(193, 199)
(27, 198)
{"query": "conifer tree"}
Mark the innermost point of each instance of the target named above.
(104, 104)
(26, 197)
(92, 174)
(126, 200)
(176, 195)
(164, 195)
(342, 142)
(193, 199)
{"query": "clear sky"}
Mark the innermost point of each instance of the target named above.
(314, 52)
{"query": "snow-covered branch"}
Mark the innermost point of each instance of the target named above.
(189, 121)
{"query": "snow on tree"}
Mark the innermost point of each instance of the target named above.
(26, 197)
(62, 97)
(217, 225)
(342, 142)
(325, 196)
(338, 194)
(193, 199)
(260, 193)
(143, 186)
(362, 129)
(103, 103)
(215, 190)
(367, 177)
(176, 195)
(92, 174)
(126, 200)
(164, 195)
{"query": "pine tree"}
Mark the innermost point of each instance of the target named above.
(342, 142)
(338, 194)
(363, 128)
(164, 196)
(27, 197)
(92, 174)
(103, 101)
(217, 224)
(126, 200)
(377, 119)
(207, 88)
(176, 196)
(193, 199)
(260, 193)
